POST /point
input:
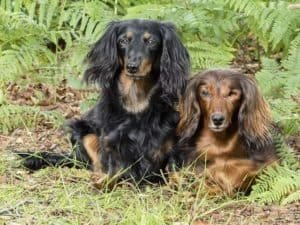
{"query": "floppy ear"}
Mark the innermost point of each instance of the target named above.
(189, 110)
(103, 58)
(174, 63)
(254, 115)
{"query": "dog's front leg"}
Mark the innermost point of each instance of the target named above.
(91, 143)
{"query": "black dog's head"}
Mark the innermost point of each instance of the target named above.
(139, 49)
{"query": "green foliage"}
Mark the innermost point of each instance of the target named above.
(278, 184)
(281, 182)
(14, 116)
(28, 27)
(280, 83)
(46, 41)
(205, 27)
(270, 21)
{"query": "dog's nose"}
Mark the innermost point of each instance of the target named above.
(132, 67)
(217, 119)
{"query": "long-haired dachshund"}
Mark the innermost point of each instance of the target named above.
(225, 124)
(141, 67)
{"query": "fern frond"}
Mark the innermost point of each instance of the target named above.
(293, 197)
(287, 156)
(272, 22)
(275, 184)
(280, 83)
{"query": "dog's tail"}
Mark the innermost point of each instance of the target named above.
(40, 160)
(77, 158)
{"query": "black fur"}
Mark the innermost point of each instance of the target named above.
(133, 141)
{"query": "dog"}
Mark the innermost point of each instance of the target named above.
(142, 68)
(225, 129)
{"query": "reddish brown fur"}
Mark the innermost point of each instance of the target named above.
(226, 148)
(92, 146)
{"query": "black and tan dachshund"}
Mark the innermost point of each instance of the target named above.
(141, 67)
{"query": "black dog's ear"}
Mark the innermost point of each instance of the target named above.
(190, 112)
(103, 58)
(254, 114)
(174, 63)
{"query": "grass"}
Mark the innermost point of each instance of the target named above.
(66, 196)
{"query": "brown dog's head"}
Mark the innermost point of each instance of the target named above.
(223, 99)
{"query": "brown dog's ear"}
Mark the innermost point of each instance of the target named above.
(190, 112)
(254, 114)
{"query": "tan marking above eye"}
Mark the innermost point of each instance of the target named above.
(129, 34)
(233, 93)
(146, 35)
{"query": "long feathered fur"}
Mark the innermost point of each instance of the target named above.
(135, 142)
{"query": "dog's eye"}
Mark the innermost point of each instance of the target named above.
(150, 41)
(205, 93)
(232, 93)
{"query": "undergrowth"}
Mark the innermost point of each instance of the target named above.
(46, 41)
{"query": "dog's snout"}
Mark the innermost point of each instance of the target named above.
(217, 119)
(133, 63)
(132, 67)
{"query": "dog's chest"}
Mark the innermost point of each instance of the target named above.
(213, 148)
(135, 96)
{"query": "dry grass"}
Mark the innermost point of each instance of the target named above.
(66, 196)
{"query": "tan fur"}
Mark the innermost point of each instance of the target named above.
(145, 67)
(129, 34)
(92, 146)
(147, 35)
(226, 160)
(135, 94)
(233, 174)
(99, 179)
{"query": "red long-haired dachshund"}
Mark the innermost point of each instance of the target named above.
(225, 124)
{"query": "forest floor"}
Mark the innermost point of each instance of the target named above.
(66, 196)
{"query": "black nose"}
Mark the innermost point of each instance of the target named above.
(132, 67)
(217, 119)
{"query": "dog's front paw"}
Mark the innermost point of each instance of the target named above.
(175, 179)
(102, 181)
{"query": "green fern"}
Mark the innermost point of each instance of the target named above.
(204, 26)
(272, 22)
(27, 27)
(278, 184)
(280, 83)
(293, 197)
(286, 155)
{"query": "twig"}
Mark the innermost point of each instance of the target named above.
(294, 6)
(12, 209)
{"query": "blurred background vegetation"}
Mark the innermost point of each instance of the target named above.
(43, 44)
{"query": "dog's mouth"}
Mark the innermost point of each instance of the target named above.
(218, 128)
(137, 76)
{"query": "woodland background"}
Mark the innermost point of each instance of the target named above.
(42, 47)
